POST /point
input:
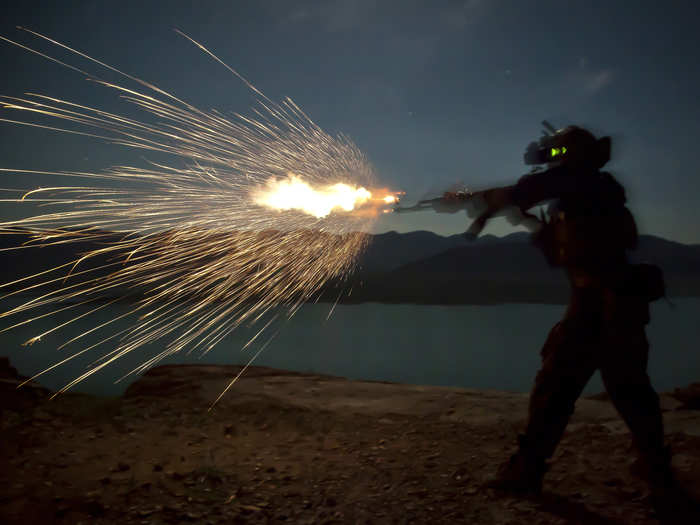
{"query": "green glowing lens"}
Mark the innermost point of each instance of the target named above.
(555, 152)
(563, 150)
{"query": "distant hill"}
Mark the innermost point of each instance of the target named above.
(391, 250)
(423, 267)
(388, 251)
(489, 270)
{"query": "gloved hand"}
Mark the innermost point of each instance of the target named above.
(475, 229)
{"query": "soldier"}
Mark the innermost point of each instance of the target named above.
(589, 232)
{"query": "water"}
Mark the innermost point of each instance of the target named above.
(468, 346)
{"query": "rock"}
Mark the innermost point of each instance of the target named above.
(7, 371)
(13, 398)
(94, 508)
(689, 396)
(421, 493)
(168, 381)
(669, 403)
(600, 396)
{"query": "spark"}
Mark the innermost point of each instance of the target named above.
(191, 244)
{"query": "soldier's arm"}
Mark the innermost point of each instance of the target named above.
(530, 190)
(540, 187)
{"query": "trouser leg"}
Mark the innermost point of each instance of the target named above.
(567, 365)
(625, 376)
(624, 372)
(566, 369)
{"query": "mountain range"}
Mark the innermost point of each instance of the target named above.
(422, 267)
(426, 268)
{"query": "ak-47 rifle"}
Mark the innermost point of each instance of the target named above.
(450, 202)
(479, 205)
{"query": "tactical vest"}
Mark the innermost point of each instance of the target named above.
(592, 229)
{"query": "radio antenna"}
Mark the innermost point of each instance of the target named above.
(549, 127)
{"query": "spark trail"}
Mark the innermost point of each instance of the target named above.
(252, 214)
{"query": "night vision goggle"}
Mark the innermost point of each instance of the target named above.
(539, 153)
(544, 151)
(551, 148)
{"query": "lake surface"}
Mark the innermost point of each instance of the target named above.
(494, 347)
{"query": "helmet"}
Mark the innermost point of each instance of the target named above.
(569, 146)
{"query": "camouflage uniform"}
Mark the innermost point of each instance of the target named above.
(592, 337)
(603, 329)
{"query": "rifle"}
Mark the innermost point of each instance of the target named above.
(450, 202)
(479, 205)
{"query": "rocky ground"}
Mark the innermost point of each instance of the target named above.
(300, 448)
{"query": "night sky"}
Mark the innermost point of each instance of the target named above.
(435, 93)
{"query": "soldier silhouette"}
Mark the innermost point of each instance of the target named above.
(588, 230)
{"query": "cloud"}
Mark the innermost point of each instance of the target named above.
(582, 80)
(596, 81)
(565, 92)
(591, 81)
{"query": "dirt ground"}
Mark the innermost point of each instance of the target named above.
(296, 448)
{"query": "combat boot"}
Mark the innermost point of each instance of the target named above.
(522, 474)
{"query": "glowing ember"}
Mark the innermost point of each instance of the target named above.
(295, 194)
